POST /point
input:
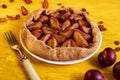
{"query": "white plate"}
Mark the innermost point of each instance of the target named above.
(60, 62)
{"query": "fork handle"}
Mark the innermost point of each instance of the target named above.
(30, 70)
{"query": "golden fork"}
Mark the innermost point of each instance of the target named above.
(14, 44)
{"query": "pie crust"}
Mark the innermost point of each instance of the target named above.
(39, 48)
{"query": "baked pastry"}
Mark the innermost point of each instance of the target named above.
(63, 34)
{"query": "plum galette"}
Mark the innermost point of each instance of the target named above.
(63, 34)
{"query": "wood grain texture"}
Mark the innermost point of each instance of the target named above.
(10, 66)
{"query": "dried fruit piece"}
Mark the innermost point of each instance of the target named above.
(13, 17)
(24, 11)
(36, 25)
(60, 38)
(52, 42)
(68, 33)
(3, 19)
(28, 1)
(48, 30)
(54, 23)
(43, 19)
(37, 33)
(45, 38)
(66, 24)
(45, 4)
(80, 40)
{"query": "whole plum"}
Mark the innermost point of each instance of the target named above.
(116, 70)
(93, 75)
(107, 57)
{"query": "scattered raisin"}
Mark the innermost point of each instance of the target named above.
(87, 12)
(117, 49)
(100, 22)
(101, 27)
(4, 6)
(83, 9)
(62, 6)
(11, 0)
(116, 42)
(59, 4)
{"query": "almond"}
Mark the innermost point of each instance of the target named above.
(36, 25)
(43, 19)
(66, 24)
(68, 33)
(52, 42)
(80, 40)
(54, 23)
(37, 33)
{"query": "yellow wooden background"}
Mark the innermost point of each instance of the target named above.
(11, 68)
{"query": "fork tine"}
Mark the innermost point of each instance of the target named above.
(13, 37)
(10, 38)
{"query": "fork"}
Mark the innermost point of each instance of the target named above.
(14, 44)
